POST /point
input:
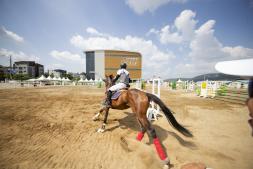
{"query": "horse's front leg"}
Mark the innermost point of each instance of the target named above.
(102, 129)
(96, 117)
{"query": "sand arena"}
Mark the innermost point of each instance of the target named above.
(51, 127)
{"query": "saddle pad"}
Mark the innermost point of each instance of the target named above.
(116, 95)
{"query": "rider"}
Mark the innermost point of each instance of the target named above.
(124, 79)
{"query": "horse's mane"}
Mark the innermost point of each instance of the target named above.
(110, 77)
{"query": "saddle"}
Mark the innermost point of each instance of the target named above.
(116, 94)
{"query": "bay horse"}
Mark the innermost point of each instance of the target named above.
(139, 102)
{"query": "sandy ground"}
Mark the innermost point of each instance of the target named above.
(44, 128)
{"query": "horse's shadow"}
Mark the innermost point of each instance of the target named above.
(130, 122)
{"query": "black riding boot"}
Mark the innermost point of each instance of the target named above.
(108, 101)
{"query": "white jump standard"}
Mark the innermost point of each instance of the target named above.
(154, 111)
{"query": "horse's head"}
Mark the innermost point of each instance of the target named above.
(108, 81)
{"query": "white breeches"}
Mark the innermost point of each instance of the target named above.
(117, 87)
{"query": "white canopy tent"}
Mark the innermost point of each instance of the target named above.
(59, 78)
(49, 78)
(81, 80)
(31, 80)
(42, 78)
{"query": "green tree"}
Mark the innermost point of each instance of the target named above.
(46, 74)
(85, 75)
(143, 85)
(70, 76)
(174, 85)
(52, 75)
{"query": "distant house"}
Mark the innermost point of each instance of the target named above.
(57, 72)
(79, 75)
(39, 70)
(6, 72)
(29, 68)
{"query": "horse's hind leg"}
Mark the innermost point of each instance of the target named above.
(151, 131)
(142, 132)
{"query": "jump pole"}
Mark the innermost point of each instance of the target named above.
(157, 93)
(152, 111)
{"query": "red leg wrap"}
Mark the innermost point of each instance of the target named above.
(140, 136)
(159, 149)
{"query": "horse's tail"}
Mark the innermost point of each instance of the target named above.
(169, 115)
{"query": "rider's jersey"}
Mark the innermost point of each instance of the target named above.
(124, 76)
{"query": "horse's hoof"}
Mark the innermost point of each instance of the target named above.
(166, 163)
(166, 166)
(96, 117)
(100, 130)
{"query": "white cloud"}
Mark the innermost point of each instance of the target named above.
(146, 47)
(193, 69)
(152, 55)
(65, 55)
(11, 35)
(202, 49)
(182, 30)
(204, 45)
(185, 23)
(141, 6)
(167, 37)
(93, 31)
(198, 48)
(18, 56)
(238, 52)
(54, 66)
(206, 50)
(152, 31)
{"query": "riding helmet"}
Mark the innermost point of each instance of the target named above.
(123, 66)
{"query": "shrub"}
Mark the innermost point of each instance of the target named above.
(197, 91)
(143, 85)
(174, 85)
(222, 91)
(99, 84)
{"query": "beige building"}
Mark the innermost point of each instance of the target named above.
(29, 68)
(57, 72)
(105, 62)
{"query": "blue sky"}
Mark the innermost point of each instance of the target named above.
(177, 38)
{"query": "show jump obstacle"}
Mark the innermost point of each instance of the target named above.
(208, 89)
(154, 110)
